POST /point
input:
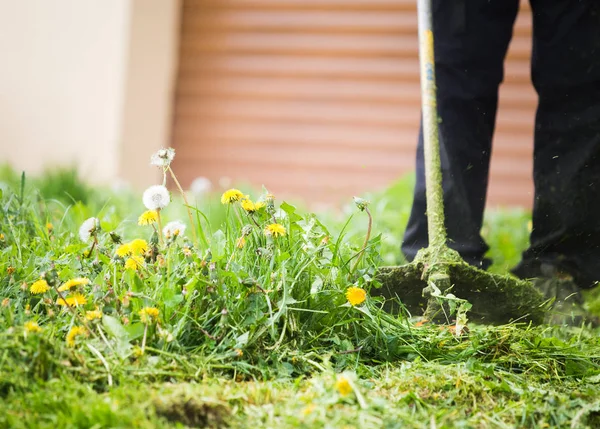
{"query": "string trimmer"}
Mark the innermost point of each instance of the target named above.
(438, 275)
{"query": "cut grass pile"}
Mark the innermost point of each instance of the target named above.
(243, 319)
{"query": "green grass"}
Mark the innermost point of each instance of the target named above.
(257, 336)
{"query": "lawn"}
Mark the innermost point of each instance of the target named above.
(236, 309)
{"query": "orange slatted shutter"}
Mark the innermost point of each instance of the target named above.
(320, 98)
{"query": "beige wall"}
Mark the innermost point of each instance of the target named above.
(149, 86)
(86, 82)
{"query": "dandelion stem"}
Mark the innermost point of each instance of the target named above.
(187, 205)
(144, 338)
(253, 220)
(160, 236)
(104, 339)
(97, 353)
(239, 216)
(364, 246)
(94, 243)
(230, 259)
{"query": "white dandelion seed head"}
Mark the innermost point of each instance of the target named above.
(163, 157)
(156, 197)
(174, 228)
(200, 186)
(225, 182)
(88, 227)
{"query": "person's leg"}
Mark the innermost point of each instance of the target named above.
(471, 38)
(566, 74)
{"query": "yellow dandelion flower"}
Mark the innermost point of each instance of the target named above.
(32, 327)
(41, 286)
(186, 251)
(148, 314)
(343, 385)
(231, 196)
(239, 352)
(49, 227)
(240, 242)
(138, 246)
(10, 270)
(148, 217)
(308, 409)
(251, 207)
(134, 262)
(76, 331)
(73, 300)
(275, 229)
(1, 237)
(123, 250)
(5, 302)
(356, 295)
(73, 283)
(93, 315)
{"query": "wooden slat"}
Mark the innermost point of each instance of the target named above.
(324, 21)
(196, 5)
(380, 91)
(303, 21)
(365, 68)
(314, 44)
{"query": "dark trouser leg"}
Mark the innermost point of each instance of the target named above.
(471, 39)
(566, 75)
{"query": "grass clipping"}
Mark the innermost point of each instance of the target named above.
(495, 298)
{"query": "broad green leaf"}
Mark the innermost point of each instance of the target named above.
(114, 327)
(134, 331)
(217, 245)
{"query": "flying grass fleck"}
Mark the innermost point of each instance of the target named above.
(231, 196)
(275, 229)
(40, 286)
(89, 228)
(148, 218)
(73, 283)
(356, 295)
(156, 197)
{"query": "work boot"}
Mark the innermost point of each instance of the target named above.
(564, 297)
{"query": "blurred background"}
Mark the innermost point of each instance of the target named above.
(317, 99)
